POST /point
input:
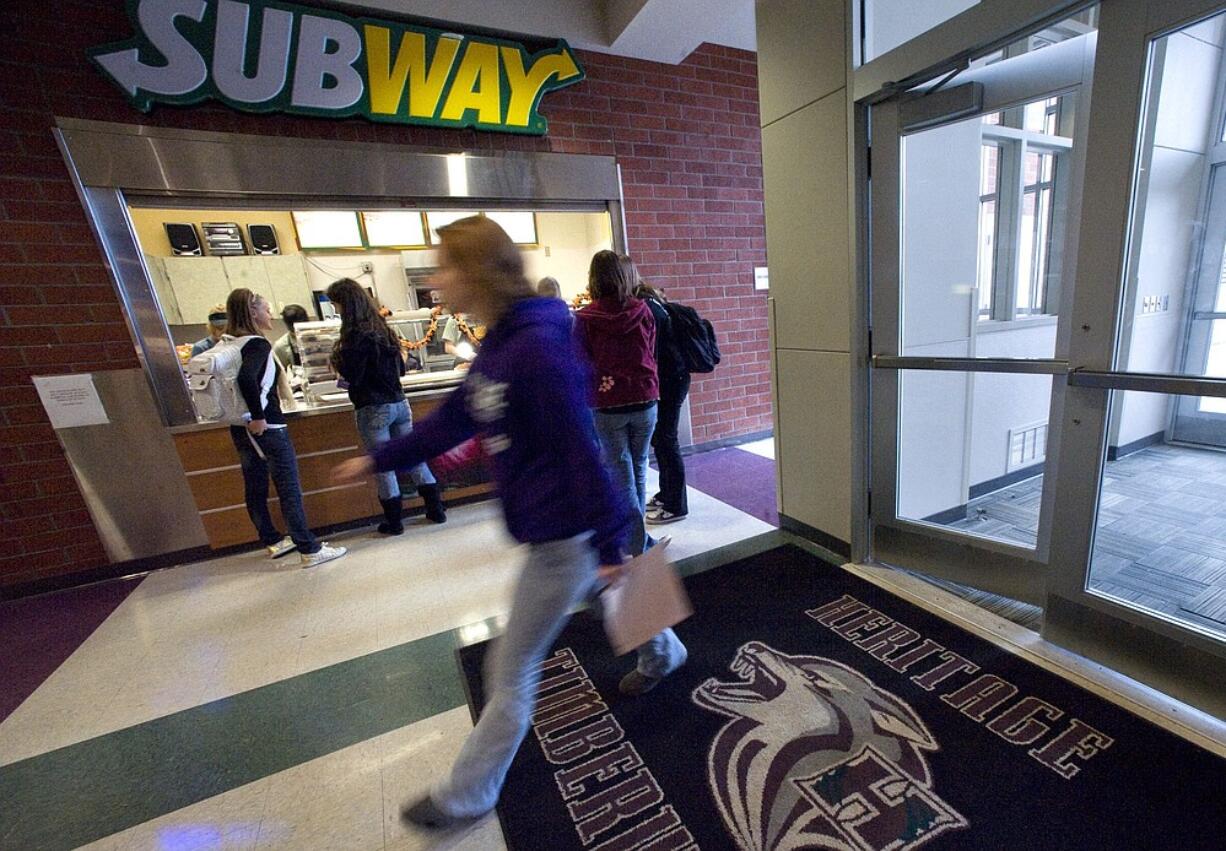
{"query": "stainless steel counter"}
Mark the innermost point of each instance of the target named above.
(318, 410)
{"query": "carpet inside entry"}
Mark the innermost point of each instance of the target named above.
(819, 711)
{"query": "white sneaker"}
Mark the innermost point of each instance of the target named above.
(326, 553)
(653, 504)
(281, 547)
(660, 517)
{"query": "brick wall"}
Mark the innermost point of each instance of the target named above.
(686, 136)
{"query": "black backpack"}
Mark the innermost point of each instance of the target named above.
(694, 338)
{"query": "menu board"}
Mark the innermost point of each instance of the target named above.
(394, 228)
(520, 226)
(438, 218)
(328, 229)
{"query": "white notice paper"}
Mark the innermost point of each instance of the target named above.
(761, 278)
(71, 400)
(647, 599)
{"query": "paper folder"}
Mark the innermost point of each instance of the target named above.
(646, 599)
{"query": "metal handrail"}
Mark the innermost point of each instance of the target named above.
(1036, 366)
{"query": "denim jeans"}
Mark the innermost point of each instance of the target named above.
(281, 463)
(625, 439)
(380, 423)
(557, 576)
(667, 446)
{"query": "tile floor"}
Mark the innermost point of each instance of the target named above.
(291, 659)
(1161, 536)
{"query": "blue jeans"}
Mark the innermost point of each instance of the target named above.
(625, 439)
(557, 576)
(380, 423)
(281, 463)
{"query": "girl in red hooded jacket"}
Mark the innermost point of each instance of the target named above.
(618, 333)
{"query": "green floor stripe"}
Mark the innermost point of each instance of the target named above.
(90, 790)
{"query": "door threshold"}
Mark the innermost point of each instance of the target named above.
(1196, 726)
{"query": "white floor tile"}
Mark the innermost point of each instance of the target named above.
(349, 799)
(230, 821)
(765, 448)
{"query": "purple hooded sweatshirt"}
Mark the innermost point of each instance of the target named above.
(526, 398)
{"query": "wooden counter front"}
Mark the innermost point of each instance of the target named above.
(321, 441)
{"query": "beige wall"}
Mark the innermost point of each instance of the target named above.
(152, 236)
(806, 143)
(567, 242)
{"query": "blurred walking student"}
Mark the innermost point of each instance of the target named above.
(368, 357)
(670, 503)
(264, 446)
(618, 334)
(525, 397)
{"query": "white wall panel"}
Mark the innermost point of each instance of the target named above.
(814, 438)
(801, 54)
(804, 158)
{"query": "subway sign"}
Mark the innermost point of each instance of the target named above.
(260, 56)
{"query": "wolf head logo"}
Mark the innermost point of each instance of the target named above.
(817, 756)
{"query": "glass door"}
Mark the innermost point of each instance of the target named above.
(975, 187)
(1138, 557)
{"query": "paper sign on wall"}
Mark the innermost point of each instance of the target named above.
(71, 400)
(761, 280)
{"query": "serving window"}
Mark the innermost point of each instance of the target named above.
(291, 256)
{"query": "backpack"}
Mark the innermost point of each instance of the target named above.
(212, 377)
(694, 338)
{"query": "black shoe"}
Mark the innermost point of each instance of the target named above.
(435, 511)
(425, 813)
(636, 683)
(392, 512)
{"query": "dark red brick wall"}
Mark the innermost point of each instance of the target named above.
(686, 136)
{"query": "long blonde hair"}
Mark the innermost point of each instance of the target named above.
(483, 253)
(240, 313)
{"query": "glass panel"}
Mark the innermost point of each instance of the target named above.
(983, 240)
(1160, 533)
(987, 254)
(888, 23)
(989, 185)
(972, 451)
(1176, 277)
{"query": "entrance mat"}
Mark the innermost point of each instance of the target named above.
(818, 711)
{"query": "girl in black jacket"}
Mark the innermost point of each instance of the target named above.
(368, 357)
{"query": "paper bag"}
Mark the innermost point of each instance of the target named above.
(647, 599)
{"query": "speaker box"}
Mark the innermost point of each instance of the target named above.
(263, 239)
(183, 239)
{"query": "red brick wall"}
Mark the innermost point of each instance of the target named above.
(686, 136)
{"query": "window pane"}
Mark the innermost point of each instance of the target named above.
(988, 171)
(1026, 259)
(1160, 533)
(889, 23)
(987, 256)
(968, 463)
(1035, 117)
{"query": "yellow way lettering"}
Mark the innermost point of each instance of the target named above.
(526, 85)
(388, 79)
(477, 85)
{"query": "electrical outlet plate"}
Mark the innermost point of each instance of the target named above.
(368, 267)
